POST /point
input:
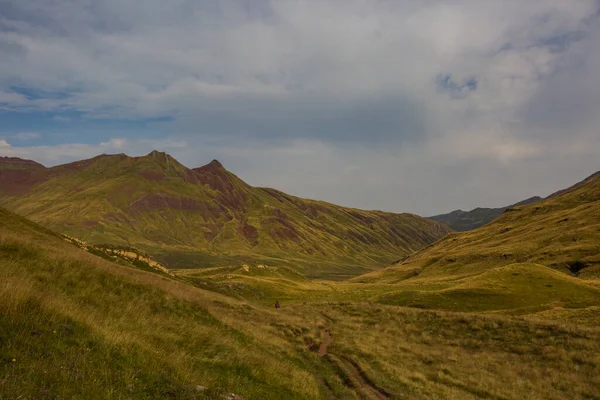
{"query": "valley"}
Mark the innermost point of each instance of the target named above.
(507, 311)
(299, 200)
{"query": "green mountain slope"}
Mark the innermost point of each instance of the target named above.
(73, 325)
(461, 221)
(207, 217)
(539, 256)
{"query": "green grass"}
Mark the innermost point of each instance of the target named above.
(74, 325)
(516, 288)
(533, 258)
(418, 354)
(158, 334)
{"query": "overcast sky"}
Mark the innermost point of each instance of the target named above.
(405, 106)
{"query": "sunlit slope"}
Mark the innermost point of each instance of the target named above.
(256, 283)
(73, 325)
(514, 289)
(562, 232)
(417, 354)
(207, 217)
(534, 258)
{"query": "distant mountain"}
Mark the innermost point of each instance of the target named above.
(561, 232)
(206, 216)
(461, 221)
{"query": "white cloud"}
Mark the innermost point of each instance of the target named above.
(322, 98)
(174, 62)
(60, 118)
(12, 98)
(23, 136)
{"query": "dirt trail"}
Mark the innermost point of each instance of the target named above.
(327, 339)
(366, 386)
(349, 371)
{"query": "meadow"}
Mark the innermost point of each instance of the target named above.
(75, 325)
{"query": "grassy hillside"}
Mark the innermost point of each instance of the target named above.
(73, 325)
(207, 217)
(76, 326)
(416, 354)
(543, 256)
(461, 221)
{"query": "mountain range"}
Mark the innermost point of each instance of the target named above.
(461, 221)
(206, 216)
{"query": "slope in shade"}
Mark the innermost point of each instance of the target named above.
(207, 216)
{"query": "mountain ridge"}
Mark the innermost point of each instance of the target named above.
(561, 232)
(207, 216)
(461, 221)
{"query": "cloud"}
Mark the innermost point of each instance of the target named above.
(23, 136)
(445, 83)
(561, 42)
(393, 92)
(60, 118)
(11, 98)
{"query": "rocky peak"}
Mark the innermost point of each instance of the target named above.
(214, 166)
(18, 163)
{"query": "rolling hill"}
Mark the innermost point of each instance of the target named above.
(74, 325)
(461, 221)
(537, 257)
(207, 216)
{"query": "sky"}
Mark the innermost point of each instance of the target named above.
(404, 106)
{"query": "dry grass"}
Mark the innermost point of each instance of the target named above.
(148, 336)
(533, 258)
(73, 325)
(417, 354)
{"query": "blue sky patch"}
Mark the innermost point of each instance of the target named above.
(446, 84)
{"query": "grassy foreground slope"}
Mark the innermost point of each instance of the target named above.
(416, 354)
(207, 216)
(544, 255)
(73, 325)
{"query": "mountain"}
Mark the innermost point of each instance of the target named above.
(207, 216)
(531, 256)
(461, 221)
(575, 186)
(18, 164)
